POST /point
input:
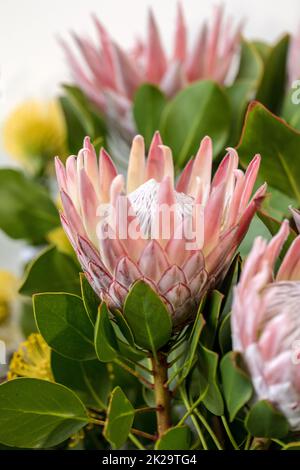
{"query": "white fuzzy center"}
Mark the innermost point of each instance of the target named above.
(144, 203)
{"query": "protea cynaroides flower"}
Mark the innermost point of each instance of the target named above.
(266, 323)
(110, 75)
(208, 220)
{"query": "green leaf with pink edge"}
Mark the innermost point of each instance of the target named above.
(278, 144)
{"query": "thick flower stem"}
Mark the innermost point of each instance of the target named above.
(162, 393)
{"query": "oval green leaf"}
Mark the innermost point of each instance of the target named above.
(63, 322)
(38, 414)
(124, 327)
(237, 386)
(192, 343)
(273, 82)
(26, 210)
(208, 366)
(200, 109)
(148, 105)
(88, 379)
(224, 336)
(147, 316)
(105, 338)
(90, 299)
(119, 419)
(264, 420)
(51, 271)
(278, 144)
(175, 439)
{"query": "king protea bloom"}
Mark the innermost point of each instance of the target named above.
(266, 323)
(181, 251)
(110, 76)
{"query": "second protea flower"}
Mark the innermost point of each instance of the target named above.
(180, 239)
(110, 75)
(266, 323)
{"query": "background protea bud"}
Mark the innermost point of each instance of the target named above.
(110, 76)
(266, 323)
(179, 265)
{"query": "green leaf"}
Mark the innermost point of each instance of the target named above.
(88, 379)
(26, 210)
(264, 420)
(81, 118)
(80, 106)
(208, 365)
(175, 439)
(124, 327)
(262, 49)
(212, 311)
(120, 416)
(237, 385)
(239, 94)
(251, 64)
(75, 129)
(193, 342)
(276, 204)
(177, 358)
(192, 114)
(51, 271)
(90, 299)
(273, 226)
(38, 414)
(290, 109)
(224, 335)
(105, 339)
(63, 322)
(278, 145)
(131, 352)
(272, 85)
(147, 317)
(148, 105)
(244, 87)
(257, 228)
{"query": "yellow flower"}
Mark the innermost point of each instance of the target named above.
(32, 359)
(8, 291)
(58, 238)
(35, 132)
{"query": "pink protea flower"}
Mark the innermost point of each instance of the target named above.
(180, 265)
(110, 76)
(266, 323)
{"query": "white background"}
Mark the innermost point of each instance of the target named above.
(32, 63)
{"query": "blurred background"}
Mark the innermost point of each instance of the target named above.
(32, 62)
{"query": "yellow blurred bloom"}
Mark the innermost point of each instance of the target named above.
(35, 132)
(32, 359)
(58, 238)
(8, 291)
